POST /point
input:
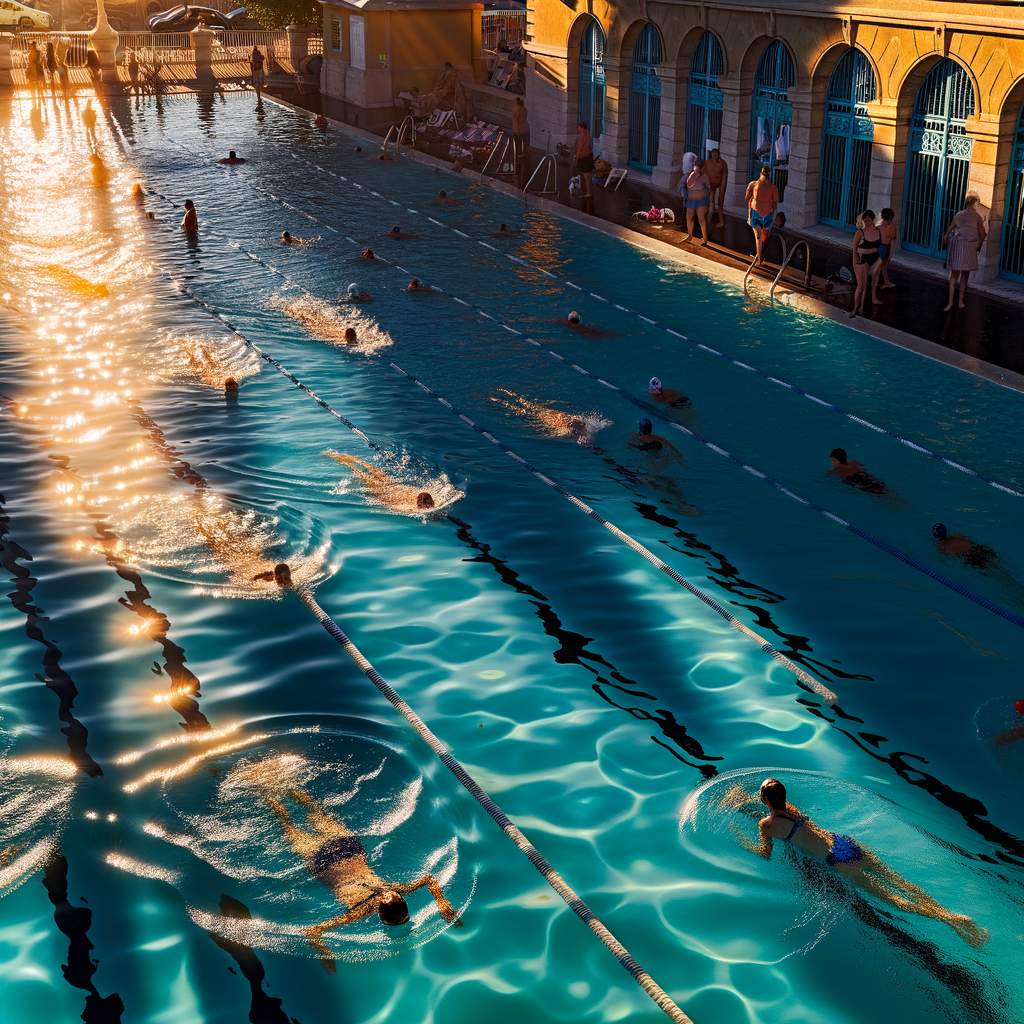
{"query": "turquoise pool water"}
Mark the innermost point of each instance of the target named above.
(606, 709)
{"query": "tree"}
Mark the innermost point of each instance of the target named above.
(278, 13)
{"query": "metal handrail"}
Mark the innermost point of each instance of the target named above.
(785, 263)
(407, 122)
(785, 256)
(550, 167)
(392, 133)
(500, 145)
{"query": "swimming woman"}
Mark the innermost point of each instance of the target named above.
(387, 490)
(666, 396)
(553, 422)
(854, 862)
(336, 857)
(575, 323)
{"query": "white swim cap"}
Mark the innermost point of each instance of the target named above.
(353, 289)
(654, 384)
(574, 317)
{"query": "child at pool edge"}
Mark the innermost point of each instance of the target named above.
(854, 862)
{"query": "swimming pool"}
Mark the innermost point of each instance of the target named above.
(588, 692)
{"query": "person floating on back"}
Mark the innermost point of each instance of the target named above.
(854, 862)
(231, 159)
(980, 556)
(666, 396)
(851, 472)
(190, 222)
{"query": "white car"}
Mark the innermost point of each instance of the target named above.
(15, 15)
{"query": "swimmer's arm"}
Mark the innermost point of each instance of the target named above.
(355, 914)
(434, 887)
(269, 575)
(763, 846)
(1010, 736)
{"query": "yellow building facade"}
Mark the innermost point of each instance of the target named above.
(852, 105)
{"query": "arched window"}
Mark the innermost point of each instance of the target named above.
(1011, 258)
(591, 105)
(846, 141)
(645, 100)
(704, 107)
(939, 161)
(772, 114)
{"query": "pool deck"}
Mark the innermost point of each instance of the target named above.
(958, 345)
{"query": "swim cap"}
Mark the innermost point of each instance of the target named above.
(939, 531)
(654, 384)
(574, 317)
(1019, 706)
(645, 426)
(352, 289)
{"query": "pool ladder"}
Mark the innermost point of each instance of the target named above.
(503, 157)
(787, 257)
(402, 135)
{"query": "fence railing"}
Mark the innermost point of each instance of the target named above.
(70, 46)
(497, 27)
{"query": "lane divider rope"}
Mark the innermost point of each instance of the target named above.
(573, 901)
(878, 543)
(915, 446)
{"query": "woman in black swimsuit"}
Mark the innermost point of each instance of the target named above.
(336, 857)
(867, 264)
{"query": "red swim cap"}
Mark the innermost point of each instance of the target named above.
(1019, 705)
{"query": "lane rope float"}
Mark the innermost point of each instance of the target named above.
(909, 443)
(878, 543)
(573, 901)
(807, 680)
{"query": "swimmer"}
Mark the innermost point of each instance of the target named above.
(320, 121)
(575, 323)
(100, 174)
(350, 336)
(281, 574)
(1017, 732)
(647, 441)
(980, 556)
(356, 294)
(416, 285)
(855, 863)
(504, 231)
(287, 238)
(385, 156)
(335, 856)
(231, 389)
(359, 149)
(553, 421)
(389, 491)
(443, 199)
(667, 396)
(399, 235)
(190, 222)
(853, 473)
(367, 254)
(137, 193)
(231, 159)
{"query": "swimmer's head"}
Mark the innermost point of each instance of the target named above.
(773, 793)
(151, 215)
(282, 575)
(137, 192)
(368, 254)
(350, 334)
(286, 236)
(503, 229)
(353, 290)
(573, 317)
(939, 531)
(442, 194)
(578, 427)
(359, 149)
(396, 230)
(838, 456)
(424, 500)
(232, 155)
(393, 909)
(413, 284)
(189, 205)
(654, 385)
(231, 386)
(1018, 706)
(645, 426)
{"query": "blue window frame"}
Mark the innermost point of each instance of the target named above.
(592, 78)
(704, 98)
(645, 100)
(772, 115)
(1011, 258)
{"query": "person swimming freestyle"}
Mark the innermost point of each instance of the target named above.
(853, 473)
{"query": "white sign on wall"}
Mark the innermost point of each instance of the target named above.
(357, 41)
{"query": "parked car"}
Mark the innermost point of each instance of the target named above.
(15, 15)
(186, 17)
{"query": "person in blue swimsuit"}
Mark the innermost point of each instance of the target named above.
(336, 857)
(854, 862)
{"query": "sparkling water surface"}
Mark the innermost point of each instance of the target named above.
(148, 684)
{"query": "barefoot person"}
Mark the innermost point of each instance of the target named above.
(717, 171)
(256, 75)
(851, 472)
(336, 857)
(585, 166)
(889, 232)
(698, 194)
(762, 199)
(965, 237)
(854, 862)
(867, 266)
(387, 490)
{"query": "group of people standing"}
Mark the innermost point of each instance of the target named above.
(48, 67)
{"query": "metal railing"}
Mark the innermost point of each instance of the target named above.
(549, 182)
(502, 26)
(70, 46)
(753, 262)
(786, 262)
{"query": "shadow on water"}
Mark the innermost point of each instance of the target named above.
(263, 1009)
(54, 676)
(74, 922)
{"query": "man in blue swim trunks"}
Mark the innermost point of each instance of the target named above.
(762, 201)
(336, 857)
(854, 862)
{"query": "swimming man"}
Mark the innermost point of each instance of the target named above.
(231, 159)
(575, 323)
(356, 294)
(646, 440)
(389, 491)
(854, 862)
(980, 556)
(666, 396)
(553, 422)
(281, 574)
(851, 472)
(399, 235)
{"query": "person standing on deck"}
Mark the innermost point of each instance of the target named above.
(965, 237)
(585, 166)
(717, 171)
(762, 199)
(256, 74)
(520, 139)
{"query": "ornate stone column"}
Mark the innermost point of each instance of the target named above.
(6, 78)
(103, 40)
(988, 179)
(801, 200)
(736, 105)
(202, 47)
(615, 137)
(673, 117)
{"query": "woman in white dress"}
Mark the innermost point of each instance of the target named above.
(965, 237)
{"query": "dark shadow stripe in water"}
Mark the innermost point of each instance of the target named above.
(53, 676)
(263, 1008)
(74, 922)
